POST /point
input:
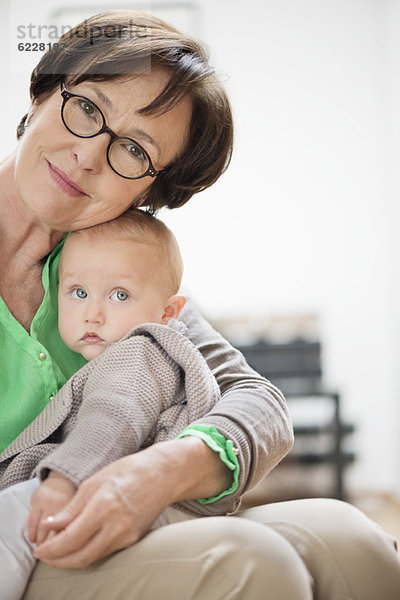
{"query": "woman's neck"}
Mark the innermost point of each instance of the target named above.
(22, 235)
(24, 244)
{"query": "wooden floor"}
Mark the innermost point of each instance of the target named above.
(382, 508)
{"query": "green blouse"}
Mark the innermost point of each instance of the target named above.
(35, 365)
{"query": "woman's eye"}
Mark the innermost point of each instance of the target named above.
(120, 296)
(79, 294)
(135, 151)
(87, 107)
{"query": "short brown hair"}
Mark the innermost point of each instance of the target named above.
(118, 43)
(142, 227)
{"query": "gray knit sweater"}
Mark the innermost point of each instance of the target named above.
(145, 389)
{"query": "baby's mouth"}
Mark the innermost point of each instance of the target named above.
(91, 337)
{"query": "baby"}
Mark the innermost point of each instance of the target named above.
(144, 382)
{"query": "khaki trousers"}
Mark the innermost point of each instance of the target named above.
(300, 550)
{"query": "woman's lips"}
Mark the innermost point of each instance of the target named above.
(91, 338)
(64, 182)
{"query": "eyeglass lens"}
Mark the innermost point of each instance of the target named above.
(85, 120)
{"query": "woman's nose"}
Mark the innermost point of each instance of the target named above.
(90, 154)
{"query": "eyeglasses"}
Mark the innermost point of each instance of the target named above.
(84, 119)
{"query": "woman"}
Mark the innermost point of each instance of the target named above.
(126, 111)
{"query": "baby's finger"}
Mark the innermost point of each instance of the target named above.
(33, 524)
(68, 541)
(66, 515)
(50, 535)
(43, 530)
(54, 524)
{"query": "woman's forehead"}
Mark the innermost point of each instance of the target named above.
(136, 90)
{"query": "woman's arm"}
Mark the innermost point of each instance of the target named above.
(252, 412)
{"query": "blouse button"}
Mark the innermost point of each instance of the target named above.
(42, 356)
(51, 398)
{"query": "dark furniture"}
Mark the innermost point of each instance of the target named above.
(295, 368)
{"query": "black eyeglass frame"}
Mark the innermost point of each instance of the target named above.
(66, 95)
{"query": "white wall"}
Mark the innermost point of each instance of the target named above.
(392, 208)
(306, 217)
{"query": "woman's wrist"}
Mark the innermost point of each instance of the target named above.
(226, 451)
(191, 470)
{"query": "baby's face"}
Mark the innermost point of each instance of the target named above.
(106, 287)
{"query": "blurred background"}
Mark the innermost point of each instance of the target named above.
(295, 251)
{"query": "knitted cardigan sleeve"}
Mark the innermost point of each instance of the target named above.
(251, 412)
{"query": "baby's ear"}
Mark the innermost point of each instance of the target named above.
(172, 308)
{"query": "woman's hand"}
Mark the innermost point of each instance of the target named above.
(116, 506)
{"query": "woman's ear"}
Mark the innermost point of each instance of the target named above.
(172, 308)
(22, 127)
(29, 116)
(31, 111)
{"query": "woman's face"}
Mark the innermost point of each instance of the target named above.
(65, 181)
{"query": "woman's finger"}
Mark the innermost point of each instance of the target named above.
(98, 547)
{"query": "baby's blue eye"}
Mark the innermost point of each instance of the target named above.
(120, 296)
(79, 294)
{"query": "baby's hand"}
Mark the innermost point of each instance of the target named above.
(50, 497)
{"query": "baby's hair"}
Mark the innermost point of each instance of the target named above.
(144, 228)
